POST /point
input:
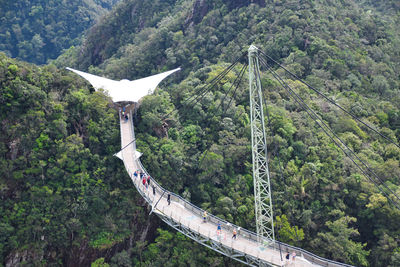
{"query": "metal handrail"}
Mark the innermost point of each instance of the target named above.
(225, 224)
(250, 235)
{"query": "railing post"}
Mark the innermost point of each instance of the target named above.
(127, 156)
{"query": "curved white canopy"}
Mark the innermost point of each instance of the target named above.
(125, 90)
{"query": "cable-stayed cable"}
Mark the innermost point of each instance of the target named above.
(330, 100)
(290, 91)
(237, 82)
(348, 155)
(276, 149)
(200, 93)
(341, 141)
(315, 117)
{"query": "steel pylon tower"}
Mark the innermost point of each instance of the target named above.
(262, 188)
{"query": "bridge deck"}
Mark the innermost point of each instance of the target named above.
(183, 215)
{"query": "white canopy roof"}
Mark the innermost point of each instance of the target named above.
(125, 90)
(136, 155)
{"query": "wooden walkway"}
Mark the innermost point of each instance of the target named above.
(187, 218)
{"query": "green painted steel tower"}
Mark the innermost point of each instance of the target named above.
(262, 187)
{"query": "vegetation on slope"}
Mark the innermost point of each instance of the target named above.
(36, 31)
(62, 192)
(321, 194)
(347, 49)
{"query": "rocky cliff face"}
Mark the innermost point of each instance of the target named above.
(199, 10)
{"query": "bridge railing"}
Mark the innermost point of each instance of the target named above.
(309, 256)
(225, 225)
(244, 233)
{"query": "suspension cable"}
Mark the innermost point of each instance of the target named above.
(315, 117)
(276, 151)
(341, 141)
(329, 100)
(200, 93)
(237, 82)
(269, 126)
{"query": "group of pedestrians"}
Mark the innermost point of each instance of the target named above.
(124, 114)
(290, 258)
(145, 179)
(219, 226)
(219, 231)
(146, 183)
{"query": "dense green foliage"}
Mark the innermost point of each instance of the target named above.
(39, 30)
(347, 49)
(57, 172)
(323, 203)
(58, 139)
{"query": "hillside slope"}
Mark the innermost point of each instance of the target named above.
(59, 182)
(347, 49)
(36, 31)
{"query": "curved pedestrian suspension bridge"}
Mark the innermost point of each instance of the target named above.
(249, 248)
(187, 218)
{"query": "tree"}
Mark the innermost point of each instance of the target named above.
(121, 259)
(395, 259)
(287, 233)
(338, 239)
(212, 165)
(99, 263)
(380, 84)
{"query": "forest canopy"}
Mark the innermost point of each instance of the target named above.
(63, 194)
(37, 31)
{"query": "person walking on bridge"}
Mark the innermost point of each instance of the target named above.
(234, 234)
(169, 199)
(144, 182)
(204, 216)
